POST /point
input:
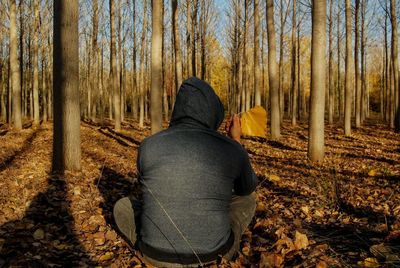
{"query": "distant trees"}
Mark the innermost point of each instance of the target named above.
(66, 141)
(261, 54)
(318, 82)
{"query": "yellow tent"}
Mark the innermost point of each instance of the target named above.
(254, 122)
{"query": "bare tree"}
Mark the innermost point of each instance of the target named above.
(293, 72)
(177, 48)
(357, 64)
(395, 63)
(316, 147)
(66, 142)
(348, 73)
(142, 67)
(15, 67)
(156, 71)
(331, 96)
(36, 108)
(257, 74)
(113, 70)
(273, 73)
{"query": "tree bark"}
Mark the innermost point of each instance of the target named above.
(142, 67)
(316, 147)
(257, 74)
(357, 65)
(177, 46)
(293, 71)
(15, 68)
(36, 108)
(113, 70)
(273, 73)
(331, 97)
(67, 142)
(156, 67)
(348, 73)
(395, 90)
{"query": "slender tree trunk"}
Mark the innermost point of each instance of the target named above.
(293, 72)
(94, 77)
(193, 35)
(387, 71)
(113, 71)
(339, 82)
(348, 73)
(156, 66)
(273, 73)
(21, 52)
(142, 85)
(257, 73)
(177, 46)
(363, 105)
(245, 88)
(188, 38)
(67, 142)
(331, 98)
(134, 104)
(36, 108)
(281, 76)
(15, 68)
(316, 147)
(357, 65)
(395, 90)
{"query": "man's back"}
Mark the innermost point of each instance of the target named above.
(188, 173)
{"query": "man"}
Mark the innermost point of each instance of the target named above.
(197, 185)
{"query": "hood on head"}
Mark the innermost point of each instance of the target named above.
(197, 104)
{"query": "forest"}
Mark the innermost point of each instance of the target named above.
(82, 83)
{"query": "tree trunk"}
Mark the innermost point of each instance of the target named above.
(67, 142)
(339, 83)
(189, 37)
(36, 108)
(245, 88)
(134, 101)
(94, 76)
(363, 106)
(293, 72)
(15, 68)
(156, 67)
(193, 35)
(177, 46)
(142, 67)
(273, 73)
(357, 65)
(348, 73)
(257, 74)
(331, 97)
(316, 145)
(395, 90)
(113, 70)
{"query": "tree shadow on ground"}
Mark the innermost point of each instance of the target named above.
(45, 236)
(26, 145)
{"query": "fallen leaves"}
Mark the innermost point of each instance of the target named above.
(293, 203)
(38, 234)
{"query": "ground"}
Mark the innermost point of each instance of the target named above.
(343, 212)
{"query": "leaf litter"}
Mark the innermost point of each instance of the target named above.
(343, 212)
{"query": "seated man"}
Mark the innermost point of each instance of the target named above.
(197, 185)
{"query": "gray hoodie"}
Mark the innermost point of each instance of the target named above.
(188, 173)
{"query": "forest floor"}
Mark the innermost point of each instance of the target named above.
(342, 213)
